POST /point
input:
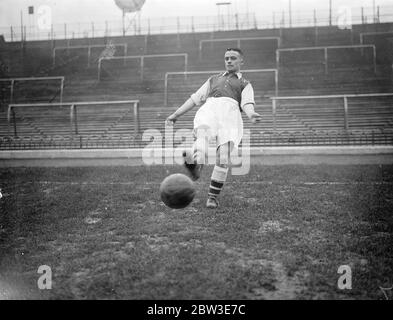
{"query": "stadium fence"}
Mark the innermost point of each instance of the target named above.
(73, 111)
(89, 49)
(13, 80)
(142, 61)
(345, 98)
(238, 41)
(366, 34)
(326, 57)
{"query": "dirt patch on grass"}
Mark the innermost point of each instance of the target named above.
(274, 283)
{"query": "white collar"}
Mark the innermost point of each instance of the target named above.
(238, 74)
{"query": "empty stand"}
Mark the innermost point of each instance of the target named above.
(145, 66)
(89, 53)
(33, 89)
(259, 51)
(353, 114)
(382, 42)
(343, 69)
(74, 118)
(329, 57)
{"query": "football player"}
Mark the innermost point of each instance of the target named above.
(224, 96)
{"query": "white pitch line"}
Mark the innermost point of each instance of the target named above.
(321, 183)
(349, 183)
(318, 183)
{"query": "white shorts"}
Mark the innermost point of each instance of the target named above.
(223, 118)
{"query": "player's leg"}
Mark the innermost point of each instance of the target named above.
(220, 173)
(229, 126)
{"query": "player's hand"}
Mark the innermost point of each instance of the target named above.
(170, 121)
(255, 117)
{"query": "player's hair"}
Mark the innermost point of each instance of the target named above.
(237, 50)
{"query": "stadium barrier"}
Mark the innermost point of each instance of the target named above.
(260, 139)
(274, 155)
(142, 61)
(324, 138)
(13, 80)
(216, 72)
(88, 47)
(362, 35)
(326, 58)
(237, 40)
(73, 111)
(345, 98)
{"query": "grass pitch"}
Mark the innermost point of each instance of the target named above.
(281, 232)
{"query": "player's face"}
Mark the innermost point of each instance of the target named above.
(233, 61)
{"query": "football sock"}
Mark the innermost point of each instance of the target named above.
(218, 179)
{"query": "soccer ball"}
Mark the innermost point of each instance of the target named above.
(177, 191)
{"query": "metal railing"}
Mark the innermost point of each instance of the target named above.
(13, 80)
(172, 24)
(340, 96)
(69, 142)
(365, 34)
(73, 111)
(238, 41)
(216, 72)
(88, 48)
(323, 138)
(142, 61)
(325, 49)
